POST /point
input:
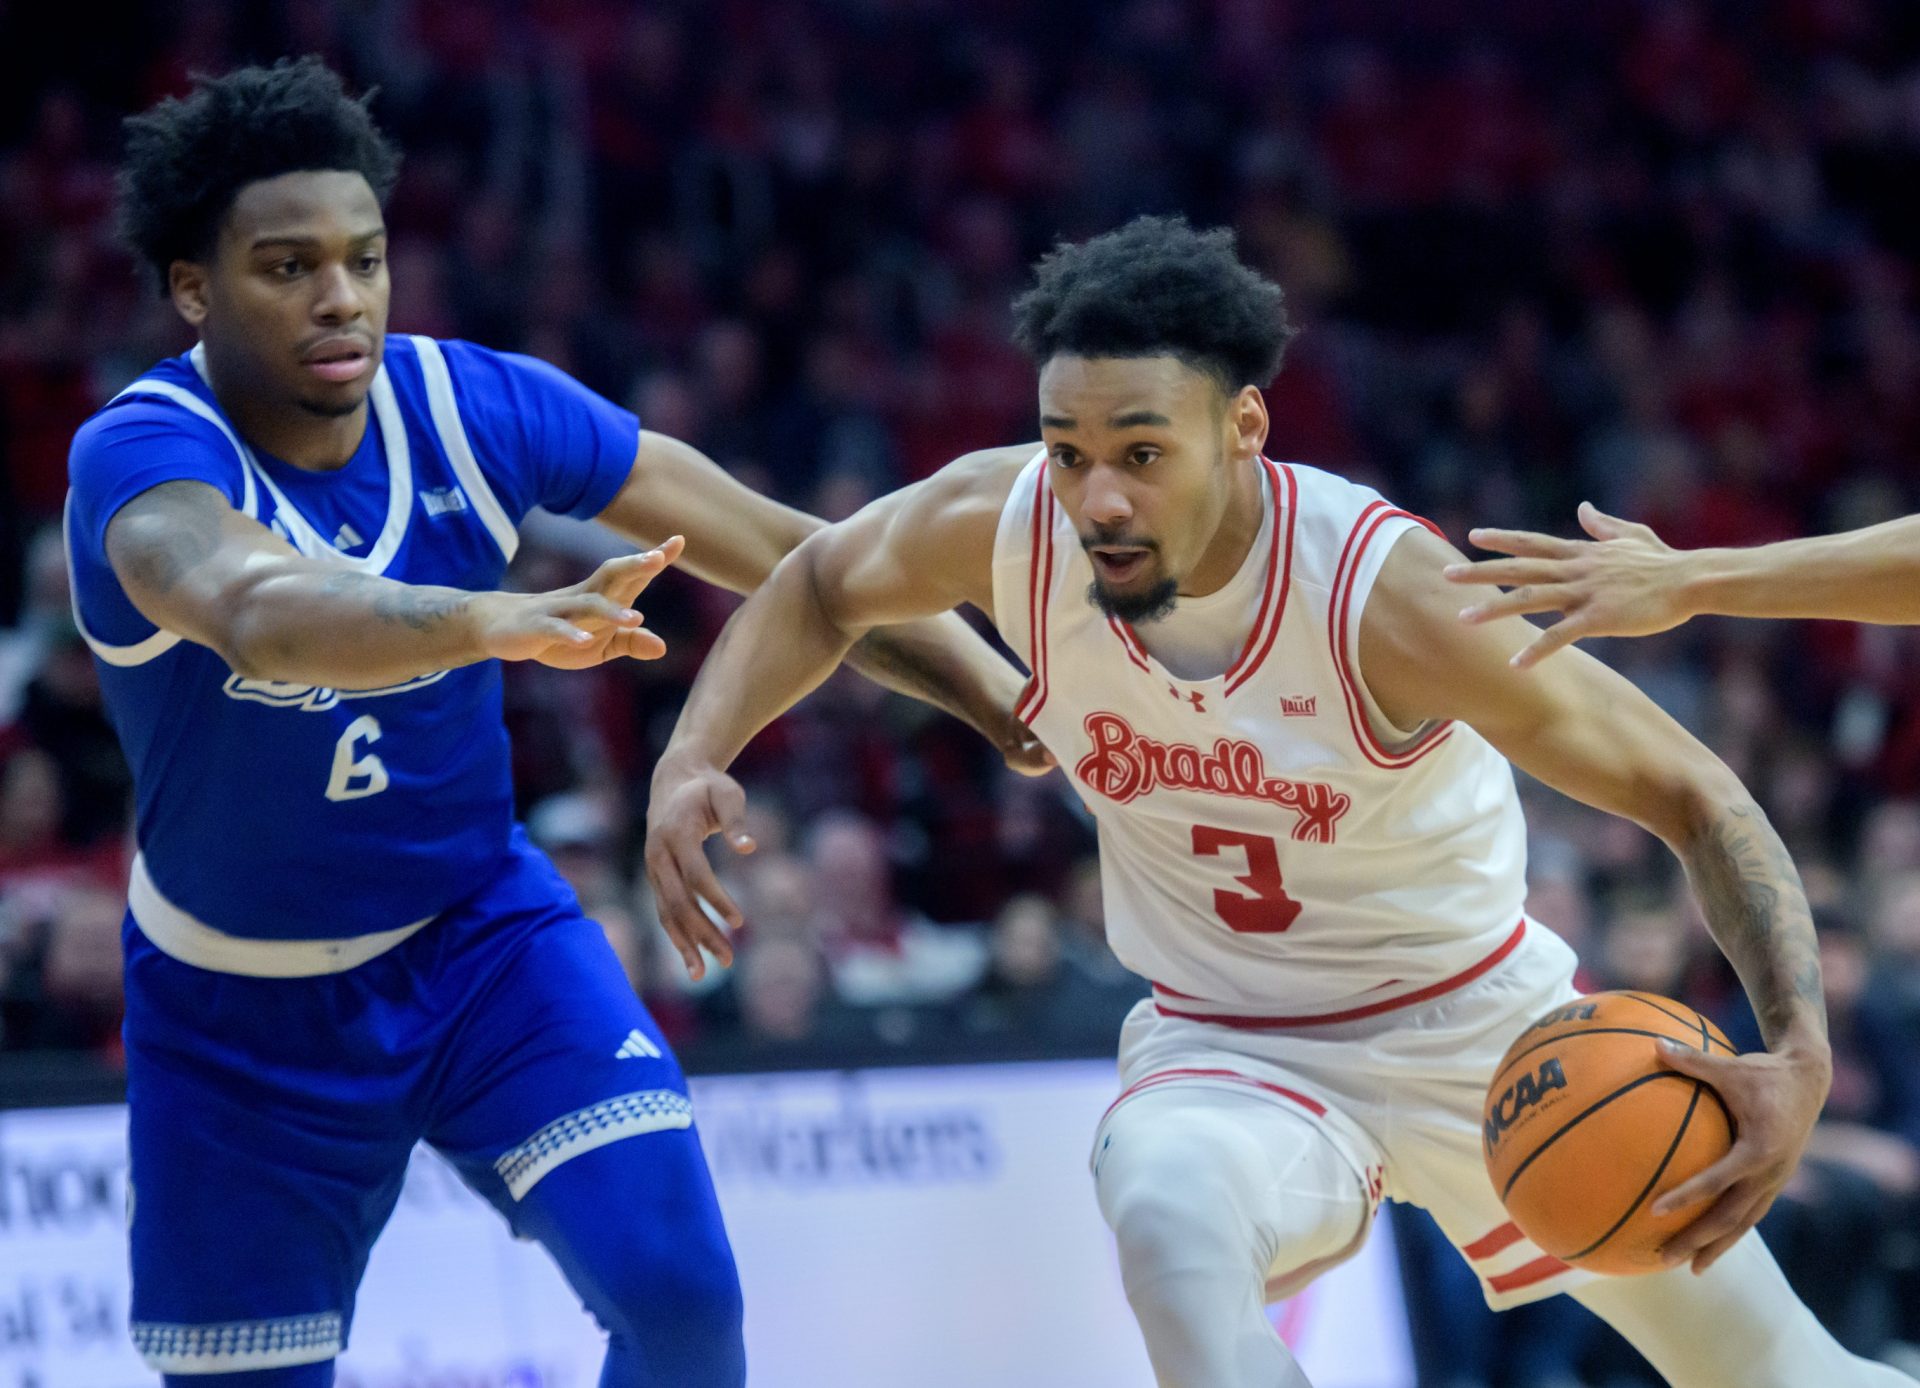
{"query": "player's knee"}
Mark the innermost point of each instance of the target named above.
(1172, 1207)
(688, 1291)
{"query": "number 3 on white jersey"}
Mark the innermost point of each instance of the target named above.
(356, 777)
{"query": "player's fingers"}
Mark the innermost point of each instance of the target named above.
(1602, 526)
(1727, 1215)
(1712, 1183)
(1506, 572)
(729, 803)
(681, 913)
(584, 608)
(565, 632)
(699, 877)
(1702, 1065)
(624, 576)
(1560, 635)
(1712, 1253)
(1530, 597)
(672, 904)
(632, 579)
(1525, 544)
(641, 644)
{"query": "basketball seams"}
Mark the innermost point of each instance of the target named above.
(1686, 1121)
(1699, 1020)
(1581, 1117)
(1514, 1057)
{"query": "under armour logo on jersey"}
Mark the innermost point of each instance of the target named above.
(637, 1047)
(1192, 696)
(1298, 705)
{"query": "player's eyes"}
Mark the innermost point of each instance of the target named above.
(284, 269)
(1065, 457)
(1140, 457)
(368, 264)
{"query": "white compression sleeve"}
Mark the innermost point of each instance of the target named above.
(1208, 1193)
(1738, 1325)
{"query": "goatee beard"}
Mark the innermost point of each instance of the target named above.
(1149, 606)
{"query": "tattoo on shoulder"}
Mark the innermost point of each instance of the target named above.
(179, 532)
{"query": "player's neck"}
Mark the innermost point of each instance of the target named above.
(310, 442)
(1233, 539)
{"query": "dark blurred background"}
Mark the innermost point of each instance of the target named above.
(1660, 256)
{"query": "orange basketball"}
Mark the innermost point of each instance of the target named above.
(1585, 1128)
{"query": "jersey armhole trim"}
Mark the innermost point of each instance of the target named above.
(1279, 561)
(1364, 530)
(445, 409)
(123, 657)
(1039, 599)
(162, 640)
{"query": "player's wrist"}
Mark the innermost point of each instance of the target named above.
(1701, 578)
(1804, 1045)
(486, 618)
(684, 760)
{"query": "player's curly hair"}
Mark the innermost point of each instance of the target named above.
(188, 157)
(1156, 287)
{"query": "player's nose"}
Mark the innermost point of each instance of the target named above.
(338, 296)
(1104, 502)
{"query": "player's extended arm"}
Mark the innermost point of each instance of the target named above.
(1626, 581)
(196, 567)
(1584, 730)
(735, 537)
(925, 549)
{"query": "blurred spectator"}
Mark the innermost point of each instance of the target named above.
(880, 952)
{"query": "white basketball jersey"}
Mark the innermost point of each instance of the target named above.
(1267, 859)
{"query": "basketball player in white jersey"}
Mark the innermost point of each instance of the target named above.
(1310, 841)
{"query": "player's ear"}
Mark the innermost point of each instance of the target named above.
(1246, 422)
(187, 284)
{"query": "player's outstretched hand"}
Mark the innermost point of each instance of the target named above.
(687, 805)
(1775, 1099)
(1625, 581)
(587, 624)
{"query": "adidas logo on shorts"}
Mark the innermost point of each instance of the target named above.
(637, 1047)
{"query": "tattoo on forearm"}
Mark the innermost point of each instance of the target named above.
(419, 608)
(1757, 911)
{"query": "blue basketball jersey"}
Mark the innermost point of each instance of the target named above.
(281, 812)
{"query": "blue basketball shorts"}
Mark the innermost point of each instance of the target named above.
(272, 1120)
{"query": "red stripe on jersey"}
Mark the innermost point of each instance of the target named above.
(1499, 1241)
(1046, 604)
(1280, 559)
(1376, 515)
(1354, 1014)
(1129, 641)
(1307, 1102)
(1539, 1270)
(1033, 597)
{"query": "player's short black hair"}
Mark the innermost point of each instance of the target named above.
(188, 157)
(1156, 287)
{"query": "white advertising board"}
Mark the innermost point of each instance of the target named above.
(926, 1226)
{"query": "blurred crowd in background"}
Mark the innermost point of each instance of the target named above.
(1660, 256)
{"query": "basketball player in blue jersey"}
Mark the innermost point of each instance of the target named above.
(286, 548)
